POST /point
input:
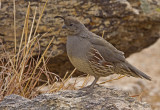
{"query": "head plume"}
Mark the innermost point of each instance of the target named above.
(72, 25)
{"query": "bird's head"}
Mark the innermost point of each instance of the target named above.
(72, 25)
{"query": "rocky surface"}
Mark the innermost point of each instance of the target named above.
(100, 98)
(130, 25)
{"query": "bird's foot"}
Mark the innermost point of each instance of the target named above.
(89, 89)
(86, 90)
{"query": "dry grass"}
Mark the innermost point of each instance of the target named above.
(0, 4)
(20, 71)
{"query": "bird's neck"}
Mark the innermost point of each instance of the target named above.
(82, 32)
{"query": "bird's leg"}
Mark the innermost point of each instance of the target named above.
(90, 87)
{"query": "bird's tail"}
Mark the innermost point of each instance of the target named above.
(137, 72)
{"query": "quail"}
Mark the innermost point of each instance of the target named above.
(92, 54)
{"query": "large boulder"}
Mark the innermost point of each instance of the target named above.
(100, 98)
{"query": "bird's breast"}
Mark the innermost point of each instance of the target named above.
(77, 49)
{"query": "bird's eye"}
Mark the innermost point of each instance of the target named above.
(71, 25)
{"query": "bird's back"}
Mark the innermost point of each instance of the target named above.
(115, 58)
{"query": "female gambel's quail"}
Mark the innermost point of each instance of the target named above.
(92, 54)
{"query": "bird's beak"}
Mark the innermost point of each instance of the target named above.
(64, 26)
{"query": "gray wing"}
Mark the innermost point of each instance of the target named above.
(107, 50)
(112, 55)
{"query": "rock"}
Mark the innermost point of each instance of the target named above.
(130, 25)
(100, 98)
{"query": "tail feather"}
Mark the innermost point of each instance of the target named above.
(138, 72)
